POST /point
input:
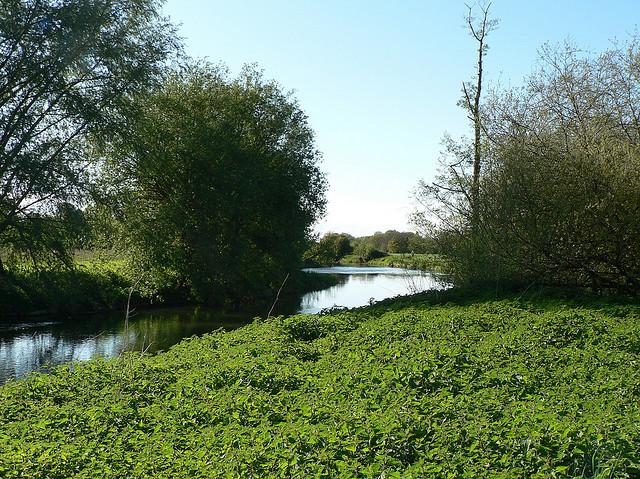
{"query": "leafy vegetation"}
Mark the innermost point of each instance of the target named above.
(100, 151)
(97, 283)
(224, 208)
(206, 187)
(431, 262)
(392, 241)
(556, 199)
(335, 248)
(330, 249)
(438, 385)
(92, 286)
(68, 72)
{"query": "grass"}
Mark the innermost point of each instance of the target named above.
(441, 385)
(431, 262)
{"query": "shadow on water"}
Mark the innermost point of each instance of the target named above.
(27, 346)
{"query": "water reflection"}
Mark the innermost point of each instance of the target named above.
(31, 346)
(359, 286)
(36, 345)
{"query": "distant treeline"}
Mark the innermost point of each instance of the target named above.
(332, 247)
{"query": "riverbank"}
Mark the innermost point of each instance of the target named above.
(442, 384)
(426, 262)
(88, 288)
(103, 285)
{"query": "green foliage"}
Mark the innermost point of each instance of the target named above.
(432, 386)
(68, 71)
(396, 246)
(430, 262)
(558, 194)
(392, 241)
(98, 283)
(330, 249)
(366, 252)
(88, 287)
(219, 185)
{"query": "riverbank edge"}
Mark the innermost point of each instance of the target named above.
(102, 288)
(410, 387)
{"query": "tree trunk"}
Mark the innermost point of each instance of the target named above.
(475, 192)
(478, 32)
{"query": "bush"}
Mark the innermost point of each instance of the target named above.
(558, 196)
(367, 252)
(329, 250)
(223, 208)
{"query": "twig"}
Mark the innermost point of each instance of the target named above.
(277, 296)
(128, 314)
(144, 351)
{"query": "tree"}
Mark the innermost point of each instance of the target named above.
(330, 249)
(449, 206)
(367, 252)
(67, 70)
(479, 32)
(558, 195)
(342, 246)
(220, 182)
(560, 202)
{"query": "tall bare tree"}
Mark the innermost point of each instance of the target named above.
(479, 27)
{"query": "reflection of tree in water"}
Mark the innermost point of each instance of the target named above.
(40, 351)
(26, 347)
(309, 300)
(158, 331)
(364, 278)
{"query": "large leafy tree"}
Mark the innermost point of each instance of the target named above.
(220, 184)
(67, 69)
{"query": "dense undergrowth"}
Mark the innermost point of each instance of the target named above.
(438, 385)
(86, 288)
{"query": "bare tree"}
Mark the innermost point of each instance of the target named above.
(449, 206)
(479, 27)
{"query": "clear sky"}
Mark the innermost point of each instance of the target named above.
(379, 79)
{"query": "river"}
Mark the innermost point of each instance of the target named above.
(31, 345)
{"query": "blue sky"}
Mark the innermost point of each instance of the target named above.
(380, 79)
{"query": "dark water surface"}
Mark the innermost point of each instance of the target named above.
(32, 345)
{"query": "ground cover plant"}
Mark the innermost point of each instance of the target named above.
(435, 385)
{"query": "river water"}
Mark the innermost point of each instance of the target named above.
(31, 345)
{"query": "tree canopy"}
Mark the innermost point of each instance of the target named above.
(219, 183)
(558, 197)
(67, 71)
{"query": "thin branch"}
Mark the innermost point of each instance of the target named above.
(277, 296)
